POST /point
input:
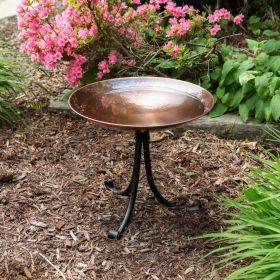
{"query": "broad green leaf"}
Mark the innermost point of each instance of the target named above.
(216, 74)
(262, 58)
(229, 73)
(275, 63)
(252, 45)
(243, 112)
(253, 19)
(275, 107)
(267, 110)
(270, 33)
(245, 77)
(220, 92)
(166, 64)
(274, 85)
(251, 101)
(261, 82)
(259, 111)
(228, 66)
(246, 65)
(236, 98)
(249, 86)
(218, 110)
(226, 50)
(271, 46)
(226, 98)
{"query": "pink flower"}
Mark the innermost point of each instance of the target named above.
(214, 30)
(103, 66)
(238, 19)
(113, 57)
(100, 75)
(131, 62)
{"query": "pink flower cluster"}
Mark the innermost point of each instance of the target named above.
(172, 48)
(73, 34)
(238, 19)
(218, 15)
(178, 28)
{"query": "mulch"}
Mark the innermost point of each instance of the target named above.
(55, 210)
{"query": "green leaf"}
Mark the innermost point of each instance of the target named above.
(251, 102)
(262, 58)
(259, 110)
(245, 77)
(218, 110)
(274, 85)
(253, 19)
(244, 112)
(252, 195)
(226, 98)
(267, 110)
(215, 75)
(220, 92)
(166, 64)
(271, 46)
(229, 68)
(236, 98)
(270, 33)
(275, 107)
(252, 45)
(249, 86)
(261, 82)
(275, 63)
(246, 65)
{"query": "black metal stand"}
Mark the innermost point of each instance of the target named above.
(141, 139)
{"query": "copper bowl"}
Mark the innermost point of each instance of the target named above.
(141, 103)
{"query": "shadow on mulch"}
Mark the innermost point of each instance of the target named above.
(55, 210)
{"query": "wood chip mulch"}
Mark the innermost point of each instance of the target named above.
(55, 210)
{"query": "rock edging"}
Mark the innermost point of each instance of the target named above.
(228, 125)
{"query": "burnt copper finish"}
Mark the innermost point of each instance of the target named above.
(141, 103)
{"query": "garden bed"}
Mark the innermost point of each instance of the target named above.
(54, 205)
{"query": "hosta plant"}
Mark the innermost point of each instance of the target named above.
(107, 38)
(251, 237)
(248, 82)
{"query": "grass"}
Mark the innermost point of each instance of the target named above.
(251, 237)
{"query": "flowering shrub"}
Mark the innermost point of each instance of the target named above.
(96, 36)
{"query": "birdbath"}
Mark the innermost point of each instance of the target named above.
(141, 105)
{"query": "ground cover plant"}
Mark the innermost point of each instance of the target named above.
(252, 234)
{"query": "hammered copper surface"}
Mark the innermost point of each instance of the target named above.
(141, 103)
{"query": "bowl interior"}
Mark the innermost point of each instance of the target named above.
(141, 103)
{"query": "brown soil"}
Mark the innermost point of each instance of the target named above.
(55, 210)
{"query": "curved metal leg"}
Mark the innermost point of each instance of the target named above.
(148, 167)
(111, 187)
(116, 234)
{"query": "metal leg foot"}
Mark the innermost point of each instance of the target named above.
(117, 234)
(149, 174)
(111, 187)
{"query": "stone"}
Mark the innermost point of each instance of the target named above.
(228, 126)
